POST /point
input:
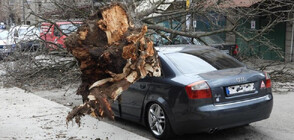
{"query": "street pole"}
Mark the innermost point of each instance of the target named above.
(23, 12)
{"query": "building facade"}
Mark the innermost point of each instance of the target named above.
(31, 12)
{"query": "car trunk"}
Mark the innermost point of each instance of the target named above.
(231, 85)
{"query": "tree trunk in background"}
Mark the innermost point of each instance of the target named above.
(112, 54)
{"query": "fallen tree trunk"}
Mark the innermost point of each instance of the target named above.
(112, 54)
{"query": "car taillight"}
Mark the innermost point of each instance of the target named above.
(268, 82)
(198, 90)
(236, 50)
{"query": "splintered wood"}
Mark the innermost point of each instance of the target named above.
(112, 54)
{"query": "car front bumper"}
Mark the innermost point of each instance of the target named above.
(221, 116)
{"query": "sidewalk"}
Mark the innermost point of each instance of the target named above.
(28, 116)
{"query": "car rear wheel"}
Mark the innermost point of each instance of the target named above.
(158, 122)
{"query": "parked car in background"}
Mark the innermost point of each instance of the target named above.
(201, 90)
(212, 40)
(7, 46)
(175, 40)
(26, 37)
(217, 42)
(54, 34)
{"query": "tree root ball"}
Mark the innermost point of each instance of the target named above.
(112, 54)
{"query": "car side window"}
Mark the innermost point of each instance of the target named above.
(162, 73)
(15, 34)
(56, 31)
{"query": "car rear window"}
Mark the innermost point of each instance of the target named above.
(202, 61)
(216, 58)
(188, 63)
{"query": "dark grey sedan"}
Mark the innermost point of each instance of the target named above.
(201, 90)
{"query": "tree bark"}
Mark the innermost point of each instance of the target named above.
(112, 54)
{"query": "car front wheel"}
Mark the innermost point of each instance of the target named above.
(158, 122)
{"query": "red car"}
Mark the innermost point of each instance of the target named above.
(54, 34)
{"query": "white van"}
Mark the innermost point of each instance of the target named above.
(26, 37)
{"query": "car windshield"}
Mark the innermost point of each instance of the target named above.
(202, 61)
(22, 31)
(68, 28)
(3, 35)
(28, 31)
(213, 39)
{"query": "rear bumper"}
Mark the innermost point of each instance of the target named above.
(204, 118)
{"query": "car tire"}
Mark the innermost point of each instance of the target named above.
(158, 122)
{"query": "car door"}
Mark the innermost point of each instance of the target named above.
(131, 100)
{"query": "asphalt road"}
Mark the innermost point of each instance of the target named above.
(280, 125)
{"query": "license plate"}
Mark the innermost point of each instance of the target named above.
(232, 90)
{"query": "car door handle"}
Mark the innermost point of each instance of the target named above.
(142, 86)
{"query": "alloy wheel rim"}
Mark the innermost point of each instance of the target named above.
(156, 119)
